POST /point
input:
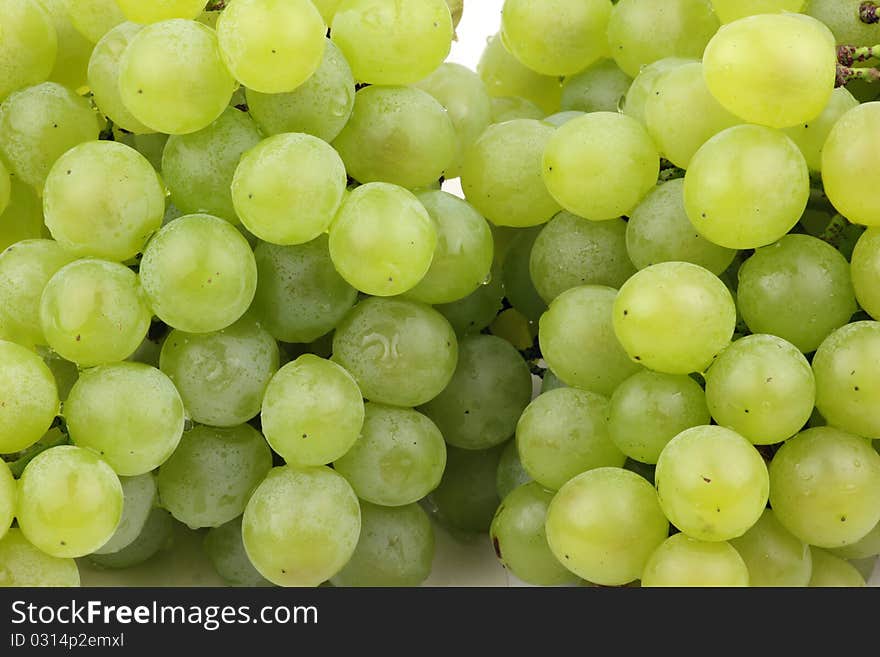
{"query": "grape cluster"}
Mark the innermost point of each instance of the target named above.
(237, 300)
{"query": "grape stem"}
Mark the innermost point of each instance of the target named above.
(846, 74)
(849, 55)
(868, 13)
(835, 230)
(216, 5)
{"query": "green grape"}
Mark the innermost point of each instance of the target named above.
(400, 135)
(94, 18)
(519, 288)
(301, 525)
(561, 118)
(825, 487)
(30, 398)
(642, 87)
(74, 49)
(172, 77)
(571, 251)
(321, 106)
(94, 312)
(8, 498)
(466, 499)
(551, 382)
(209, 478)
(762, 387)
(129, 413)
(396, 548)
(103, 76)
(510, 473)
(199, 273)
(398, 458)
(156, 535)
(773, 555)
(504, 75)
(685, 561)
(811, 136)
(798, 289)
(393, 42)
(300, 296)
(151, 146)
(383, 240)
(400, 352)
(103, 199)
(70, 501)
(604, 524)
(761, 197)
(272, 46)
(795, 89)
(642, 31)
(600, 165)
(598, 88)
(466, 100)
(139, 498)
(160, 10)
(25, 268)
(866, 547)
(29, 46)
(5, 188)
(501, 176)
(287, 189)
(199, 167)
(555, 37)
(476, 311)
(23, 217)
(225, 549)
(649, 409)
(865, 266)
(510, 108)
(674, 317)
(846, 384)
(520, 539)
(842, 18)
(221, 376)
(487, 394)
(659, 230)
(681, 115)
(731, 10)
(578, 341)
(563, 433)
(312, 411)
(847, 175)
(23, 565)
(829, 570)
(463, 255)
(38, 124)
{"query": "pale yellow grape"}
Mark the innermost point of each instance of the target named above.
(674, 317)
(172, 77)
(685, 561)
(103, 76)
(38, 124)
(272, 46)
(731, 10)
(642, 86)
(199, 273)
(599, 166)
(8, 498)
(504, 75)
(94, 18)
(23, 565)
(830, 570)
(642, 31)
(393, 41)
(811, 136)
(848, 173)
(160, 10)
(712, 483)
(312, 411)
(31, 398)
(604, 524)
(70, 501)
(773, 555)
(288, 188)
(301, 526)
(682, 115)
(28, 46)
(865, 268)
(501, 176)
(555, 37)
(94, 312)
(74, 49)
(103, 199)
(760, 197)
(383, 240)
(795, 89)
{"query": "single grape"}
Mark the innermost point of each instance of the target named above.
(604, 524)
(642, 87)
(466, 499)
(842, 18)
(847, 175)
(103, 76)
(94, 18)
(23, 565)
(139, 498)
(156, 535)
(519, 288)
(301, 526)
(829, 570)
(29, 46)
(160, 10)
(599, 87)
(731, 10)
(685, 561)
(510, 473)
(504, 75)
(811, 136)
(773, 555)
(225, 549)
(865, 266)
(30, 398)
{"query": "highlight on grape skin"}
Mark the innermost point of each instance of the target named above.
(386, 293)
